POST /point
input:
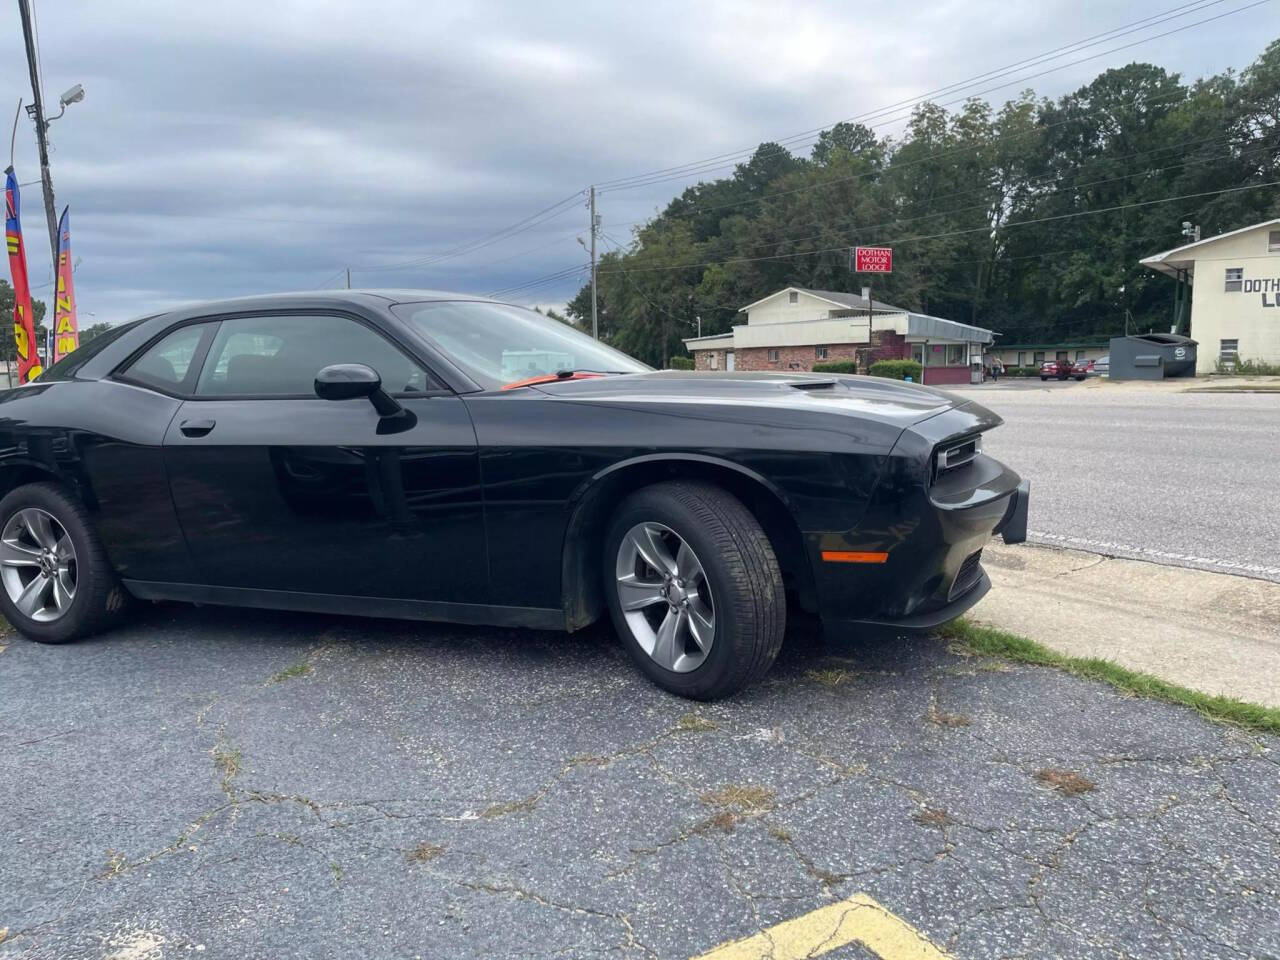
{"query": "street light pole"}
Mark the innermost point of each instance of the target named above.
(42, 127)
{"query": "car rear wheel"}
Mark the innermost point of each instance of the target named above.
(694, 589)
(1043, 379)
(55, 582)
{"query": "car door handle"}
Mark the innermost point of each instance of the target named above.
(196, 428)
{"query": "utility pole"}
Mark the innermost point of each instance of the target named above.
(595, 224)
(42, 127)
(348, 278)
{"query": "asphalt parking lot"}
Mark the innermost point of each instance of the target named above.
(221, 783)
(1143, 472)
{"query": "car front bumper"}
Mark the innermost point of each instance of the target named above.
(930, 534)
(923, 622)
(1013, 528)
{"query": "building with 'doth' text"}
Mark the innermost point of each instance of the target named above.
(797, 327)
(1235, 294)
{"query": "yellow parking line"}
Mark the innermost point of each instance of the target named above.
(859, 919)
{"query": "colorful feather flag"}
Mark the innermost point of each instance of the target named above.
(24, 324)
(66, 333)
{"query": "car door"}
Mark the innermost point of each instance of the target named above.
(277, 489)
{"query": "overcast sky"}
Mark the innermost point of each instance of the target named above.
(229, 148)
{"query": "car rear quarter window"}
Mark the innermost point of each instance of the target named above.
(280, 355)
(68, 366)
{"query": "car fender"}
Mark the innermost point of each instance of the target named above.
(580, 586)
(18, 470)
(678, 457)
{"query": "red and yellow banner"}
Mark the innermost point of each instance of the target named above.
(66, 334)
(24, 324)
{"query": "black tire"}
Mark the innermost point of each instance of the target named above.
(741, 571)
(1043, 379)
(99, 598)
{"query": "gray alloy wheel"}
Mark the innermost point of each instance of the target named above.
(38, 565)
(664, 597)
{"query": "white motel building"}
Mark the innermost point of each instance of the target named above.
(796, 327)
(1235, 293)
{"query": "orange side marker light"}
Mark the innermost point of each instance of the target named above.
(854, 556)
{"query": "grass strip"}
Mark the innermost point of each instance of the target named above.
(998, 643)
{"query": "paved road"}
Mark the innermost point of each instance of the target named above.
(1185, 478)
(222, 783)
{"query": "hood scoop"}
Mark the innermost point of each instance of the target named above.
(825, 384)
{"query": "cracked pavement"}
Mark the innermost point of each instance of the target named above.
(250, 784)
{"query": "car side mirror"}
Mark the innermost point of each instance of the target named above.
(346, 381)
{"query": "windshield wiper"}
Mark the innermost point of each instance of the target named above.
(560, 375)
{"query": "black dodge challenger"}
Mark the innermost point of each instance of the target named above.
(436, 456)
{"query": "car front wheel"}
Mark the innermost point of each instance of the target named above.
(55, 582)
(694, 589)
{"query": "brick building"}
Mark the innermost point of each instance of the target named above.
(795, 328)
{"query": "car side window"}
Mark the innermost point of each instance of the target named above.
(168, 363)
(279, 356)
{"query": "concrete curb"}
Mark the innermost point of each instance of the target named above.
(1212, 632)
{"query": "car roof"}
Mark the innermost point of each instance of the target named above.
(313, 298)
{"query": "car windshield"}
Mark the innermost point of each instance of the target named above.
(498, 344)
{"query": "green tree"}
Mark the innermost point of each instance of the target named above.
(7, 351)
(93, 330)
(850, 139)
(1029, 218)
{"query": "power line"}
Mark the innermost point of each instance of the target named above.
(561, 207)
(864, 228)
(894, 168)
(1147, 172)
(707, 165)
(944, 89)
(556, 209)
(540, 281)
(640, 293)
(575, 275)
(522, 253)
(560, 238)
(956, 233)
(324, 284)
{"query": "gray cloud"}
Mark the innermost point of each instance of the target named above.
(240, 147)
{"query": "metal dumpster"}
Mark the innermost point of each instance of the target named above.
(1152, 356)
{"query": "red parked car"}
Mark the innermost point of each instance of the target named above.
(1061, 369)
(1081, 369)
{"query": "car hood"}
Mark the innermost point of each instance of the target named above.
(891, 402)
